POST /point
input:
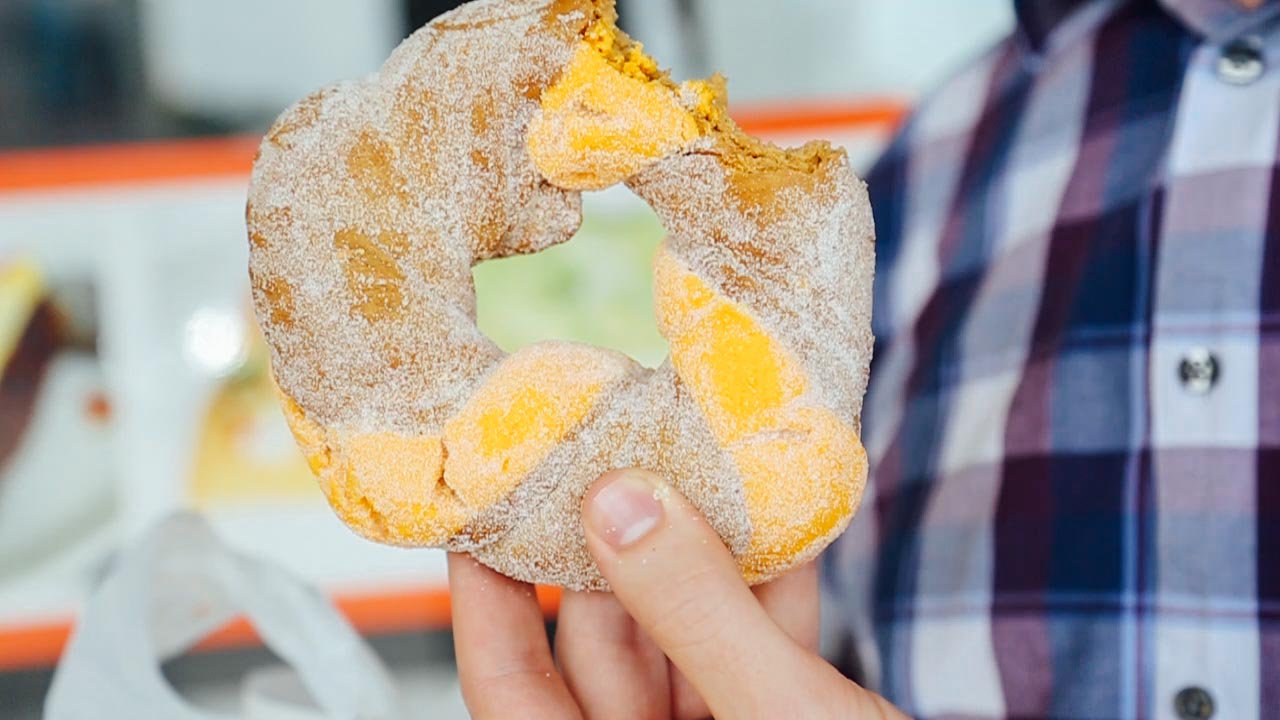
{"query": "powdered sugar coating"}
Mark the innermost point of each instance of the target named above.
(798, 250)
(449, 111)
(371, 201)
(648, 424)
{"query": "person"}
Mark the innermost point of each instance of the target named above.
(1073, 422)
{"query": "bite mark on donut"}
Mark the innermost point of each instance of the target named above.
(612, 113)
(766, 181)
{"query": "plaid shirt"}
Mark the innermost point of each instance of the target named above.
(1074, 418)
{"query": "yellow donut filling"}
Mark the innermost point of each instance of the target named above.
(387, 487)
(801, 466)
(581, 141)
(408, 490)
(530, 403)
(614, 112)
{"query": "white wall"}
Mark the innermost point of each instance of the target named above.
(776, 49)
(234, 58)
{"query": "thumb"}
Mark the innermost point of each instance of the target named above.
(675, 577)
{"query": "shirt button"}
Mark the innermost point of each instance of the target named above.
(1199, 371)
(1241, 62)
(1193, 703)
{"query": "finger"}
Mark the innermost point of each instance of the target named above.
(793, 601)
(612, 668)
(675, 577)
(686, 701)
(500, 640)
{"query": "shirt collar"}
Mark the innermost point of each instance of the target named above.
(1038, 18)
(1213, 19)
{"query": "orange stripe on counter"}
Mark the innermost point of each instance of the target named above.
(880, 115)
(127, 163)
(40, 645)
(170, 160)
(32, 646)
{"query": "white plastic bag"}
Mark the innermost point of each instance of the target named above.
(171, 590)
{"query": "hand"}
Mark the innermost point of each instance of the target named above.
(678, 598)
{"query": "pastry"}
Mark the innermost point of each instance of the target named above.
(370, 203)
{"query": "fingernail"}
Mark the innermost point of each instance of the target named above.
(625, 508)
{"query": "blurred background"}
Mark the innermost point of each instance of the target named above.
(132, 380)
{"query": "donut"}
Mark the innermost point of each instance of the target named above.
(371, 201)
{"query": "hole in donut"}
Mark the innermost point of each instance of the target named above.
(596, 289)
